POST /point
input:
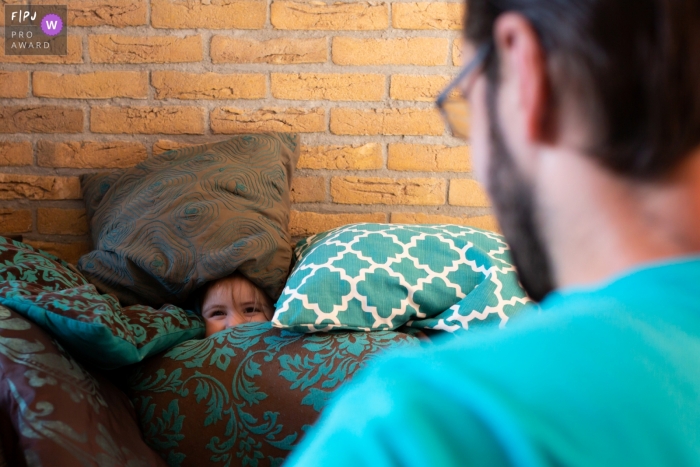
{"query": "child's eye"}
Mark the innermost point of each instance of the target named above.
(217, 313)
(252, 309)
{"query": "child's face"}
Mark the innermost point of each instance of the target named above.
(234, 300)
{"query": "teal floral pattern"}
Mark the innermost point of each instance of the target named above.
(245, 395)
(21, 262)
(92, 326)
(62, 414)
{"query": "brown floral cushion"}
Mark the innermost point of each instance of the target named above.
(246, 395)
(93, 327)
(63, 415)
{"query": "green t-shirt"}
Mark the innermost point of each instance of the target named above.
(603, 376)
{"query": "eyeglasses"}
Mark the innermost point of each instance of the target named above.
(454, 109)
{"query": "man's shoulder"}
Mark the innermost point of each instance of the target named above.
(587, 368)
(582, 348)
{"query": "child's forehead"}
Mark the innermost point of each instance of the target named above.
(237, 285)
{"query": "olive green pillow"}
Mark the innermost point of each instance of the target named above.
(189, 216)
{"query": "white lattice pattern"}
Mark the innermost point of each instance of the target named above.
(382, 276)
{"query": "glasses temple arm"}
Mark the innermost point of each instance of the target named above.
(468, 68)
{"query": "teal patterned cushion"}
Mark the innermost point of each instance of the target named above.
(383, 276)
(246, 395)
(93, 327)
(186, 217)
(60, 414)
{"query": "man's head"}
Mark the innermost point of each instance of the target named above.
(614, 81)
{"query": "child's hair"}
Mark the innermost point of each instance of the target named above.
(202, 291)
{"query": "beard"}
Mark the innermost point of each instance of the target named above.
(514, 207)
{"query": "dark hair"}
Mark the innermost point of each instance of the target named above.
(199, 295)
(633, 67)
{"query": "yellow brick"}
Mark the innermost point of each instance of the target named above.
(96, 85)
(373, 190)
(232, 120)
(479, 222)
(308, 189)
(345, 121)
(147, 120)
(114, 48)
(424, 51)
(70, 252)
(15, 154)
(179, 85)
(15, 221)
(361, 157)
(40, 119)
(468, 193)
(457, 58)
(74, 55)
(207, 14)
(328, 86)
(38, 187)
(14, 83)
(428, 158)
(163, 145)
(417, 88)
(427, 15)
(277, 51)
(61, 221)
(353, 16)
(90, 154)
(302, 223)
(119, 13)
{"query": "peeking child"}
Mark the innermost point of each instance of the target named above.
(232, 301)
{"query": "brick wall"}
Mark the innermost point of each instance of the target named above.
(357, 79)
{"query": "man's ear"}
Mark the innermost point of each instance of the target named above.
(523, 60)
